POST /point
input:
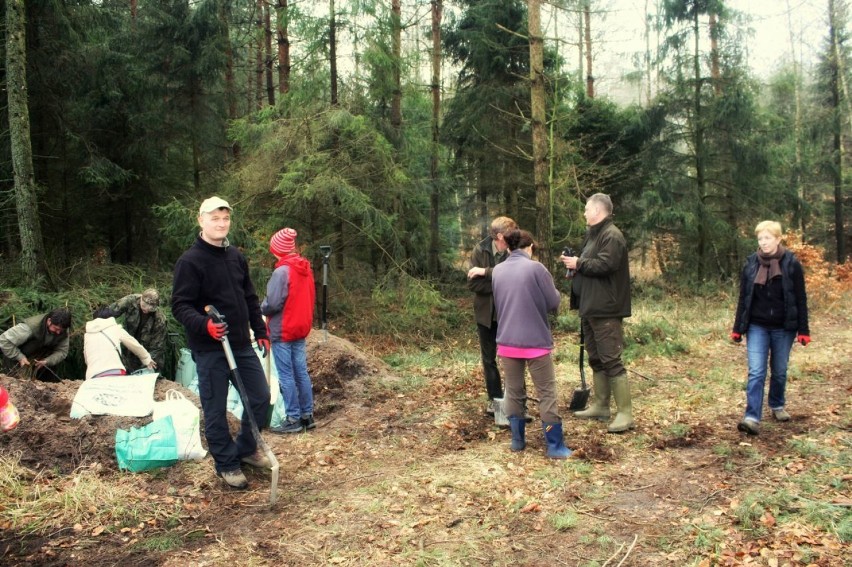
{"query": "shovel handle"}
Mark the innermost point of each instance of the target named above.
(582, 349)
(214, 313)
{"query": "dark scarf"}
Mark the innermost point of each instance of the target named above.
(769, 265)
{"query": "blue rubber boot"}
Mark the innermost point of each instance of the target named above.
(518, 426)
(556, 448)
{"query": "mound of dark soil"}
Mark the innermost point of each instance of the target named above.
(48, 439)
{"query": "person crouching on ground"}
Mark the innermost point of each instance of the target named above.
(771, 311)
(212, 272)
(289, 305)
(102, 346)
(39, 342)
(524, 293)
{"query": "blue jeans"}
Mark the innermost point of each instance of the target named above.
(214, 377)
(291, 361)
(763, 344)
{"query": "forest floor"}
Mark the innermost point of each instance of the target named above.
(405, 468)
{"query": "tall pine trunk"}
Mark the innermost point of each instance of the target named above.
(267, 48)
(396, 64)
(282, 16)
(539, 136)
(26, 202)
(836, 126)
(590, 78)
(698, 141)
(332, 52)
(434, 197)
(799, 213)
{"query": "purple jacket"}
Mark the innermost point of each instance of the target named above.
(523, 295)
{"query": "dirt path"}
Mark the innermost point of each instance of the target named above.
(406, 470)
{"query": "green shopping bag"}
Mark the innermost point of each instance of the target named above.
(148, 447)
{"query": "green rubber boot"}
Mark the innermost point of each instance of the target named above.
(621, 392)
(599, 408)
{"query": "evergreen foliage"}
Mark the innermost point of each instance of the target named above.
(131, 127)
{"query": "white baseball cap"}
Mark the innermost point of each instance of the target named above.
(213, 204)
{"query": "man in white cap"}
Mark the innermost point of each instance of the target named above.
(212, 272)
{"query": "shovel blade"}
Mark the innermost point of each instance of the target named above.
(580, 399)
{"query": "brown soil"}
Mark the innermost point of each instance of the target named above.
(400, 474)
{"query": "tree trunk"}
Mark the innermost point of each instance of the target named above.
(258, 56)
(715, 71)
(230, 86)
(26, 201)
(332, 50)
(282, 21)
(590, 78)
(434, 197)
(267, 36)
(647, 56)
(837, 145)
(698, 141)
(544, 222)
(799, 214)
(396, 55)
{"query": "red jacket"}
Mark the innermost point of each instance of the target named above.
(290, 298)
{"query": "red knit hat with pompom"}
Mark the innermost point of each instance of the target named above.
(283, 242)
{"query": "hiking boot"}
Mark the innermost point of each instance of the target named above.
(235, 479)
(307, 421)
(780, 414)
(749, 426)
(258, 459)
(289, 426)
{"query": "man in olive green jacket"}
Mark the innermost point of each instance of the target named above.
(38, 342)
(488, 253)
(146, 323)
(601, 291)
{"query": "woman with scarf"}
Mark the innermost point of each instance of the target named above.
(772, 312)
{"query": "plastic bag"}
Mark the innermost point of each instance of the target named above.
(148, 447)
(9, 417)
(185, 417)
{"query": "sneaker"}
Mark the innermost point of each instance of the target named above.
(235, 479)
(749, 426)
(780, 414)
(289, 426)
(258, 459)
(308, 421)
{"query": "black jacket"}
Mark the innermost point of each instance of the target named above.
(793, 286)
(217, 276)
(483, 302)
(601, 284)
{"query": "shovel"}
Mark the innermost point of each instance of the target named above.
(581, 394)
(235, 372)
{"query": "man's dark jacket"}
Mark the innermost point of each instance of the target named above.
(218, 276)
(483, 302)
(601, 285)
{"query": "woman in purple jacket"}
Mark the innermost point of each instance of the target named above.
(524, 293)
